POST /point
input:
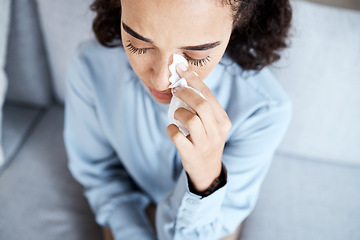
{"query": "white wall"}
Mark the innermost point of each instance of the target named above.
(351, 4)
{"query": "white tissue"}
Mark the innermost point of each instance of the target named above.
(176, 102)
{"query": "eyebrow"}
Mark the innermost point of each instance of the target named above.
(135, 34)
(201, 47)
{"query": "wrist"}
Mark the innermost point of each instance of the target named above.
(202, 181)
(216, 184)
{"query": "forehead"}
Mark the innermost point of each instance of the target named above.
(177, 22)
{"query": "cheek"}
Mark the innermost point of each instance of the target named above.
(205, 70)
(140, 67)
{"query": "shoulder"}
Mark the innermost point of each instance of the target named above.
(98, 65)
(91, 52)
(253, 97)
(94, 70)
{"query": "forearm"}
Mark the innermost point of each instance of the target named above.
(185, 215)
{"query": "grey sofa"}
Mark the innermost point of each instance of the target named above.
(312, 190)
(39, 199)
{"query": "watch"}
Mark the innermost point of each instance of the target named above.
(218, 183)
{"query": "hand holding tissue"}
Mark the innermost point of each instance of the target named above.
(202, 120)
(176, 103)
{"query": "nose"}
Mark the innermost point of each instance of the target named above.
(161, 73)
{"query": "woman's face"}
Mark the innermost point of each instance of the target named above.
(152, 31)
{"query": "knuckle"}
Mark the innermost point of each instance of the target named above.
(183, 93)
(188, 75)
(191, 119)
(170, 130)
(202, 105)
(206, 91)
(176, 136)
(181, 114)
(226, 126)
(178, 113)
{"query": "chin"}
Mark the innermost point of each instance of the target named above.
(162, 101)
(160, 97)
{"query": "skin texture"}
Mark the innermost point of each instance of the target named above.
(172, 25)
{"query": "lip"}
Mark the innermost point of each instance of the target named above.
(161, 95)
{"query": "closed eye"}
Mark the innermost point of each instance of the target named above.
(196, 62)
(135, 50)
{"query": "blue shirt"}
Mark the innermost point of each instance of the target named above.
(118, 148)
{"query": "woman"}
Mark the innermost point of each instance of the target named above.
(120, 145)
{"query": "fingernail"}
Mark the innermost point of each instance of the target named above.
(175, 89)
(182, 66)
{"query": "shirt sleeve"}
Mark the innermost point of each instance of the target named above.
(115, 199)
(247, 156)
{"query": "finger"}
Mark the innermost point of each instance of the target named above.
(178, 138)
(200, 106)
(199, 85)
(193, 124)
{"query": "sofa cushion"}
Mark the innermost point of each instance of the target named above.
(5, 9)
(306, 199)
(320, 72)
(65, 23)
(26, 65)
(39, 199)
(17, 125)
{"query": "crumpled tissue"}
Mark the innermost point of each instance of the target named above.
(176, 103)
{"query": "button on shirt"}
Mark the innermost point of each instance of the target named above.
(118, 148)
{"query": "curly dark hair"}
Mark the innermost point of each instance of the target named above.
(260, 29)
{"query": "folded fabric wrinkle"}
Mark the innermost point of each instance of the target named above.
(176, 103)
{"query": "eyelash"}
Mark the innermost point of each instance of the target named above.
(135, 50)
(195, 62)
